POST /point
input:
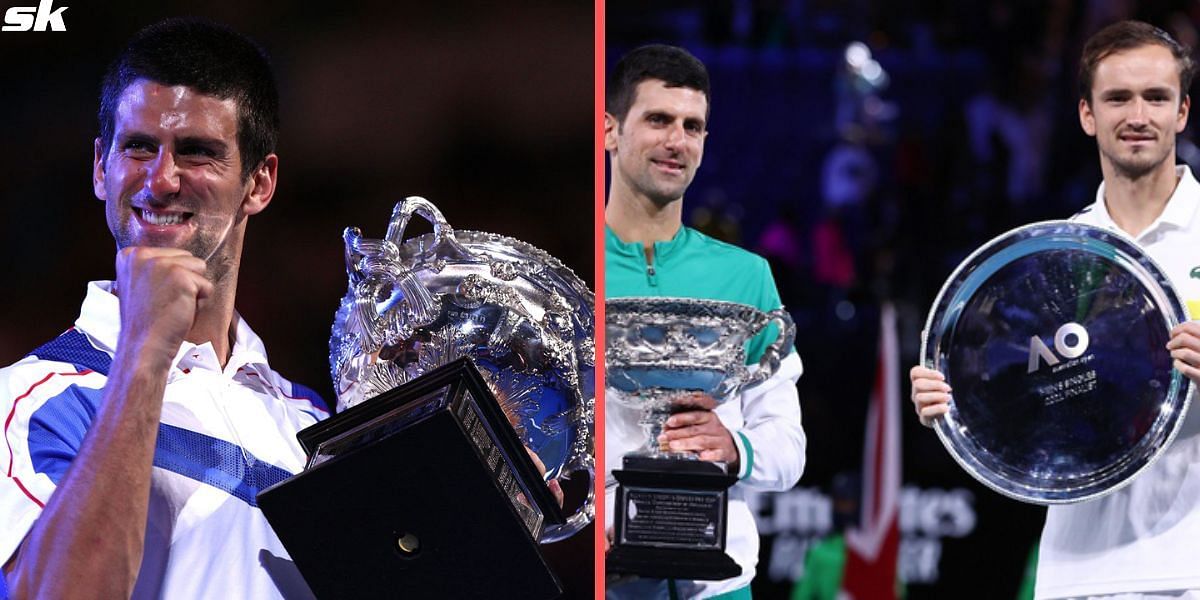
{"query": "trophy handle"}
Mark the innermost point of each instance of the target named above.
(769, 363)
(444, 245)
(381, 282)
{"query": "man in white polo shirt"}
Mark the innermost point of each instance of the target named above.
(136, 442)
(1141, 540)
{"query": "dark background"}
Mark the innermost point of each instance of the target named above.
(976, 132)
(483, 108)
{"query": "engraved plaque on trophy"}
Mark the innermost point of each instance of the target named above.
(670, 508)
(1053, 337)
(425, 489)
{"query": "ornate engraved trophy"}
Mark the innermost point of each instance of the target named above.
(1053, 337)
(670, 507)
(457, 357)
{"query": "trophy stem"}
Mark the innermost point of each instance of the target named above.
(655, 412)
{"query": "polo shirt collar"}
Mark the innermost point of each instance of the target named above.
(100, 320)
(1180, 209)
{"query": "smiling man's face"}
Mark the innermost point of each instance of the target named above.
(659, 144)
(172, 176)
(1136, 110)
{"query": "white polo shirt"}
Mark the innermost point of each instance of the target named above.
(225, 434)
(1146, 536)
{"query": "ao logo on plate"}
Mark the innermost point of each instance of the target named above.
(1063, 345)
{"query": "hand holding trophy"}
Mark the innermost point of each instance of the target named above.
(670, 507)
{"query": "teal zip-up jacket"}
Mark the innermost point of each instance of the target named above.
(763, 421)
(693, 265)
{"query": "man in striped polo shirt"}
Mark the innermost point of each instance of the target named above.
(136, 442)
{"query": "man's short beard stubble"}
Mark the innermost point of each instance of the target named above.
(1139, 166)
(661, 201)
(657, 196)
(653, 190)
(204, 247)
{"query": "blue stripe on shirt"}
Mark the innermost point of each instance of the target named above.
(216, 462)
(73, 347)
(57, 428)
(303, 391)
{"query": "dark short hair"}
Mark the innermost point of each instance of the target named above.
(211, 59)
(1127, 35)
(672, 65)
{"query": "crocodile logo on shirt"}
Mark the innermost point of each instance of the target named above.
(1195, 274)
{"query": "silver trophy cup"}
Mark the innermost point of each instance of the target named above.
(663, 356)
(523, 319)
(662, 351)
(464, 368)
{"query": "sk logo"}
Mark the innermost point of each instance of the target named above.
(35, 18)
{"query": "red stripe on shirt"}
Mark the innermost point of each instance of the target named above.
(306, 401)
(29, 494)
(8, 421)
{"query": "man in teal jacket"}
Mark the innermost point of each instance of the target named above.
(654, 130)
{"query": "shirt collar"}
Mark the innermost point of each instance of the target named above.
(614, 244)
(100, 320)
(662, 250)
(1179, 211)
(100, 316)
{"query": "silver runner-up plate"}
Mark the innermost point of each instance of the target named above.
(1053, 339)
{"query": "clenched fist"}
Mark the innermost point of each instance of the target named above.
(160, 289)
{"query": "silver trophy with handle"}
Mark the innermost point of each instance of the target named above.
(664, 356)
(463, 363)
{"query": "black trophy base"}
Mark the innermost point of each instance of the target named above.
(669, 563)
(670, 519)
(411, 500)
